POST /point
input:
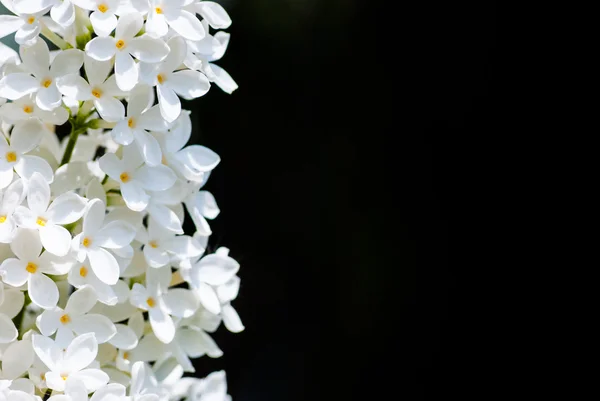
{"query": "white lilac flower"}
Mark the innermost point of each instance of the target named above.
(42, 81)
(25, 136)
(26, 25)
(171, 13)
(103, 17)
(170, 81)
(61, 11)
(101, 89)
(83, 275)
(76, 319)
(192, 163)
(71, 364)
(26, 108)
(97, 237)
(177, 302)
(141, 117)
(160, 245)
(135, 177)
(210, 272)
(124, 47)
(49, 218)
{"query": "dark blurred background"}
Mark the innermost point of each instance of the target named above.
(341, 188)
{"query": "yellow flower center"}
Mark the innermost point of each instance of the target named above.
(131, 122)
(46, 83)
(120, 44)
(30, 20)
(11, 157)
(126, 355)
(87, 242)
(64, 377)
(125, 178)
(41, 221)
(97, 93)
(2, 219)
(103, 7)
(153, 244)
(161, 78)
(28, 109)
(83, 271)
(159, 10)
(151, 302)
(64, 319)
(31, 268)
(164, 160)
(43, 376)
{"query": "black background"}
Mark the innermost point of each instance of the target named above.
(341, 190)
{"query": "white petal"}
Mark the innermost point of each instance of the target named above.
(148, 50)
(96, 71)
(162, 325)
(100, 325)
(126, 71)
(63, 13)
(16, 359)
(67, 62)
(75, 87)
(229, 291)
(10, 24)
(152, 120)
(93, 379)
(122, 134)
(184, 247)
(187, 25)
(223, 79)
(26, 245)
(26, 135)
(215, 269)
(105, 265)
(129, 25)
(48, 322)
(214, 13)
(189, 84)
(56, 239)
(81, 352)
(13, 272)
(103, 23)
(110, 109)
(125, 338)
(156, 178)
(181, 302)
(67, 208)
(208, 298)
(28, 165)
(149, 147)
(111, 165)
(112, 392)
(170, 105)
(13, 303)
(166, 218)
(81, 301)
(16, 85)
(134, 196)
(8, 331)
(115, 234)
(199, 159)
(94, 217)
(49, 99)
(45, 349)
(156, 24)
(42, 291)
(231, 319)
(101, 48)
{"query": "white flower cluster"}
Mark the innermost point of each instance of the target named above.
(102, 295)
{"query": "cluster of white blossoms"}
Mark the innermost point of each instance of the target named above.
(103, 297)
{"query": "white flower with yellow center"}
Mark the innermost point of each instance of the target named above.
(76, 319)
(49, 218)
(97, 237)
(124, 47)
(103, 17)
(25, 137)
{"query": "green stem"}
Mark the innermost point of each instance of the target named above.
(72, 141)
